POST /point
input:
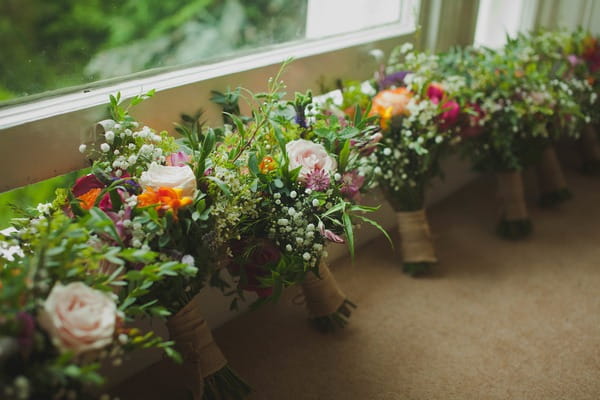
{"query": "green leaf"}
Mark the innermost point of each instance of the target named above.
(349, 233)
(253, 164)
(344, 155)
(221, 185)
(378, 226)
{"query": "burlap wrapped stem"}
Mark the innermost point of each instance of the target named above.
(590, 151)
(514, 219)
(204, 372)
(552, 184)
(327, 305)
(416, 243)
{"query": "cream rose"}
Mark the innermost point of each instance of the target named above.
(78, 318)
(172, 177)
(310, 156)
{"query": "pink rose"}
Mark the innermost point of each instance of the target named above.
(78, 318)
(310, 157)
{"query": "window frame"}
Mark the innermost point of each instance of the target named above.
(50, 130)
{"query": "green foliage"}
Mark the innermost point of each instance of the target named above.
(49, 45)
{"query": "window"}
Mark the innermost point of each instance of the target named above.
(49, 128)
(50, 45)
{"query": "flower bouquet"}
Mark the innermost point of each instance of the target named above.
(570, 102)
(67, 300)
(583, 53)
(508, 87)
(158, 199)
(419, 115)
(306, 169)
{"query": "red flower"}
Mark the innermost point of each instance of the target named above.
(263, 254)
(86, 183)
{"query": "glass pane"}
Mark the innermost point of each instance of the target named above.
(48, 45)
(52, 45)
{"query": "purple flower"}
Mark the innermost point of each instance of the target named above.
(394, 79)
(318, 180)
(300, 119)
(329, 235)
(351, 184)
(119, 220)
(179, 159)
(574, 60)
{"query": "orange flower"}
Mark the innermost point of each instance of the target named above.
(390, 103)
(267, 165)
(88, 199)
(164, 199)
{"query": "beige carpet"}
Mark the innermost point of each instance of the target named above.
(497, 320)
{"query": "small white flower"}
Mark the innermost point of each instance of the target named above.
(306, 256)
(291, 211)
(308, 191)
(387, 151)
(337, 177)
(288, 247)
(310, 227)
(282, 221)
(109, 136)
(44, 208)
(315, 203)
(188, 259)
(293, 194)
(123, 338)
(105, 147)
(82, 148)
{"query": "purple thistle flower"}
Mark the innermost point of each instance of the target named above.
(317, 180)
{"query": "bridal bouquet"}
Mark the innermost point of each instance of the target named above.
(155, 194)
(572, 104)
(582, 50)
(419, 115)
(509, 89)
(307, 169)
(68, 297)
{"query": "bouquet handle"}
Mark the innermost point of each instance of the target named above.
(327, 305)
(204, 370)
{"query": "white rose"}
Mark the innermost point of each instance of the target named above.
(310, 156)
(172, 177)
(78, 318)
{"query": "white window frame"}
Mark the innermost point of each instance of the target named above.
(39, 140)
